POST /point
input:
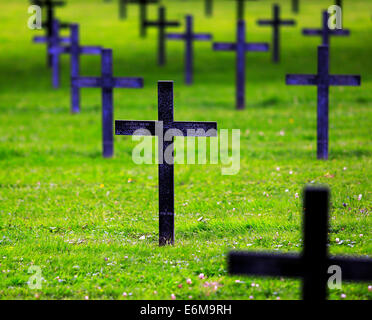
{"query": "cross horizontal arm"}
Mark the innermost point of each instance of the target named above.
(175, 36)
(202, 36)
(287, 22)
(86, 82)
(312, 32)
(90, 50)
(40, 39)
(156, 23)
(263, 22)
(193, 129)
(224, 46)
(344, 80)
(256, 47)
(301, 79)
(128, 128)
(128, 83)
(264, 264)
(49, 3)
(340, 32)
(58, 50)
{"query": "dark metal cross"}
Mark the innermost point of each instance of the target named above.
(323, 80)
(50, 17)
(325, 32)
(162, 24)
(312, 265)
(241, 47)
(189, 37)
(107, 82)
(240, 4)
(75, 51)
(53, 41)
(143, 12)
(165, 129)
(276, 23)
(295, 6)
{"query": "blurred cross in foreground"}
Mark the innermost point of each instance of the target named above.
(323, 80)
(166, 129)
(107, 82)
(314, 263)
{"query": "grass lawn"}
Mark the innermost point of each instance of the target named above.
(82, 218)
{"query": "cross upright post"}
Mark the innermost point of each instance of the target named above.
(208, 7)
(325, 32)
(276, 23)
(189, 37)
(295, 6)
(166, 129)
(241, 47)
(323, 80)
(339, 3)
(312, 265)
(54, 41)
(240, 9)
(161, 24)
(107, 82)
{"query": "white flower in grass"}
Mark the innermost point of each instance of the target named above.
(343, 296)
(360, 197)
(173, 296)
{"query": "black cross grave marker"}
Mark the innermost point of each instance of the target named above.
(325, 32)
(276, 23)
(165, 129)
(107, 82)
(189, 37)
(241, 47)
(53, 42)
(312, 265)
(240, 9)
(162, 24)
(75, 50)
(323, 80)
(50, 17)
